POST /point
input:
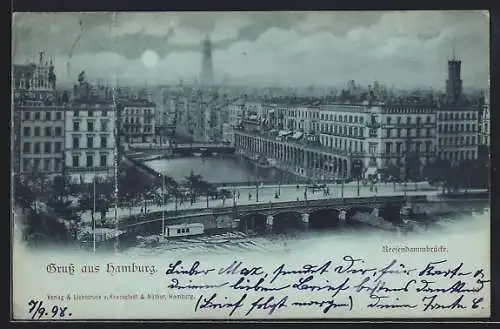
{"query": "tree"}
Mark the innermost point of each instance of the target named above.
(194, 182)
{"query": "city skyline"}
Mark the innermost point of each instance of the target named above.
(395, 48)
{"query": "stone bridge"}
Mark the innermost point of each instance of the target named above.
(277, 216)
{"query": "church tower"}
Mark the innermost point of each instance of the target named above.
(454, 82)
(207, 70)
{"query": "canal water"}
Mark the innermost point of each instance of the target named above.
(219, 169)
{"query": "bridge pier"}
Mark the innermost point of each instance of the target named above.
(305, 220)
(269, 223)
(342, 216)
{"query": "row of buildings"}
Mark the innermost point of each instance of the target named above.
(333, 137)
(77, 133)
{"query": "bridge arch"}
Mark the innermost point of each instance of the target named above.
(324, 218)
(287, 220)
(357, 209)
(253, 222)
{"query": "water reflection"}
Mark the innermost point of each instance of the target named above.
(217, 169)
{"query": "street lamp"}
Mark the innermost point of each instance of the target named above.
(163, 206)
(257, 192)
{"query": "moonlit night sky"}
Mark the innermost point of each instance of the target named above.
(405, 49)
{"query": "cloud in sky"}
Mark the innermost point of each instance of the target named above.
(290, 48)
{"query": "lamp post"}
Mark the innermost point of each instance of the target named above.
(257, 192)
(163, 206)
(93, 211)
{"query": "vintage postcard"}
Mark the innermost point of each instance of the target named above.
(250, 165)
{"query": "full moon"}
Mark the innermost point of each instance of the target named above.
(149, 58)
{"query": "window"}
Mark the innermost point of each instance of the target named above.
(473, 140)
(27, 131)
(419, 119)
(104, 125)
(372, 148)
(76, 142)
(408, 120)
(26, 147)
(399, 132)
(76, 113)
(429, 119)
(36, 148)
(456, 116)
(48, 116)
(27, 115)
(388, 146)
(473, 128)
(178, 231)
(90, 125)
(36, 164)
(37, 131)
(57, 147)
(58, 131)
(428, 132)
(37, 115)
(428, 146)
(48, 131)
(104, 142)
(76, 161)
(350, 118)
(103, 160)
(90, 113)
(57, 164)
(361, 119)
(47, 147)
(462, 127)
(462, 140)
(462, 116)
(76, 125)
(90, 142)
(388, 120)
(398, 120)
(26, 164)
(90, 160)
(58, 116)
(46, 164)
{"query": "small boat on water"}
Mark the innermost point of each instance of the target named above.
(182, 230)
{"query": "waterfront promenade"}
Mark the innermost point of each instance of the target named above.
(267, 194)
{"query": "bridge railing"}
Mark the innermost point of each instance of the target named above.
(248, 208)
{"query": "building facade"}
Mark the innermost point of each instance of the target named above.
(41, 139)
(138, 121)
(457, 133)
(485, 121)
(90, 140)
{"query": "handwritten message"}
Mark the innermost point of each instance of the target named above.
(342, 284)
(337, 287)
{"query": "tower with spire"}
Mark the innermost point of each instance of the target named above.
(207, 69)
(454, 82)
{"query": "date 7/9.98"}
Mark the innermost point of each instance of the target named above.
(38, 311)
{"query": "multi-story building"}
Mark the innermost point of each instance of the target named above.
(41, 138)
(138, 121)
(457, 132)
(485, 121)
(457, 121)
(37, 118)
(90, 139)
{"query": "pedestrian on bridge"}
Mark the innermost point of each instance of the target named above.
(238, 195)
